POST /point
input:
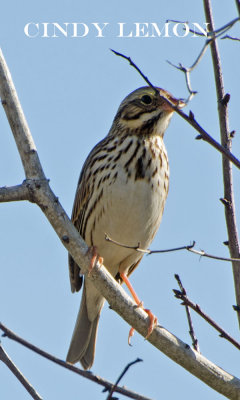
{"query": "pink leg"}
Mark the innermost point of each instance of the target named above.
(152, 317)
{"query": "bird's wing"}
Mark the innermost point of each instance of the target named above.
(80, 203)
(83, 194)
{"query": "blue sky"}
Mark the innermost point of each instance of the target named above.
(70, 89)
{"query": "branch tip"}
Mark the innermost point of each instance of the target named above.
(136, 68)
(226, 243)
(236, 308)
(225, 100)
(191, 115)
(225, 202)
(198, 137)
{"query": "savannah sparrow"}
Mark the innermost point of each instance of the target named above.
(121, 192)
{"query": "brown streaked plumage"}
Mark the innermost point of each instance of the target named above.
(121, 191)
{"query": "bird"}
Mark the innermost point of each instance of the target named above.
(121, 193)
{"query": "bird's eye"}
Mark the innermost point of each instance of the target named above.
(146, 99)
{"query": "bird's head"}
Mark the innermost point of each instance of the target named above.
(146, 111)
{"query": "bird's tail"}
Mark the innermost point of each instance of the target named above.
(82, 346)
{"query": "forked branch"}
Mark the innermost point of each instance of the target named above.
(182, 295)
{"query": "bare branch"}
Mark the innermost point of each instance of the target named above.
(230, 37)
(86, 374)
(186, 301)
(191, 330)
(210, 36)
(220, 31)
(188, 70)
(14, 193)
(4, 357)
(205, 136)
(188, 358)
(18, 124)
(191, 120)
(147, 251)
(202, 253)
(121, 376)
(135, 67)
(230, 213)
(190, 248)
(212, 33)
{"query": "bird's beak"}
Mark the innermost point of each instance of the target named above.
(170, 101)
(177, 102)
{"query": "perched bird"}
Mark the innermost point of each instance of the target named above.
(121, 192)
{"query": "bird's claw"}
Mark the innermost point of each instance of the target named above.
(95, 258)
(152, 323)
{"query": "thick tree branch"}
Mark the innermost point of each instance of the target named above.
(42, 194)
(14, 193)
(9, 363)
(18, 124)
(230, 213)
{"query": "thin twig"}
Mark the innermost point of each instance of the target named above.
(136, 67)
(121, 376)
(198, 310)
(4, 357)
(231, 38)
(202, 253)
(147, 251)
(208, 138)
(191, 329)
(190, 119)
(89, 375)
(210, 36)
(190, 248)
(188, 70)
(230, 212)
(216, 33)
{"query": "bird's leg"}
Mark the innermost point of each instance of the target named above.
(152, 317)
(92, 251)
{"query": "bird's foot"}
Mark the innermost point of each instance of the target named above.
(95, 258)
(152, 323)
(151, 316)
